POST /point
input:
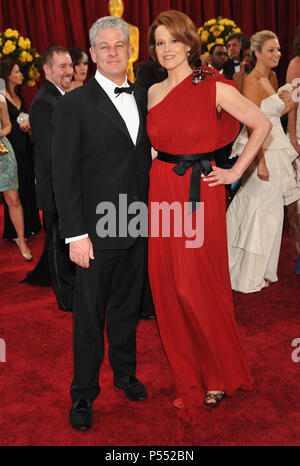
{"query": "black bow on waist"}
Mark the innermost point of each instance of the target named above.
(200, 163)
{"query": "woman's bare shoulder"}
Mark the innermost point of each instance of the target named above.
(254, 81)
(155, 88)
(154, 93)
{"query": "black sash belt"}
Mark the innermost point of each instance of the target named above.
(200, 163)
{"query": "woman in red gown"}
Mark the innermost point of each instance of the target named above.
(189, 280)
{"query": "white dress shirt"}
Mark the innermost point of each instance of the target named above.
(237, 66)
(124, 103)
(126, 106)
(60, 90)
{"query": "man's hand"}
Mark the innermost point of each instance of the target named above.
(81, 251)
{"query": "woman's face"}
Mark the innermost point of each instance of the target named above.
(15, 77)
(270, 53)
(80, 71)
(170, 52)
(247, 56)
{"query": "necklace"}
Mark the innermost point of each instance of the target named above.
(260, 73)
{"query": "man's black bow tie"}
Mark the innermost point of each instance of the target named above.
(119, 90)
(236, 63)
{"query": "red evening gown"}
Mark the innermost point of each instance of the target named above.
(191, 286)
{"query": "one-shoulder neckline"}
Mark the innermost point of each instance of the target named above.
(170, 92)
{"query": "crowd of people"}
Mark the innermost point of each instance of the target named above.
(96, 140)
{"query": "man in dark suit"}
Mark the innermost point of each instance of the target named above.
(101, 155)
(234, 45)
(218, 57)
(54, 262)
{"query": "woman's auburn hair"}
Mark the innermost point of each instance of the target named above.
(182, 28)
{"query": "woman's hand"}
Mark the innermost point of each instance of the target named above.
(262, 171)
(25, 126)
(221, 176)
(286, 97)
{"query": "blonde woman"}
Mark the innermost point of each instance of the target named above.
(255, 216)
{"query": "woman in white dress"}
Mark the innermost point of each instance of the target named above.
(293, 73)
(255, 216)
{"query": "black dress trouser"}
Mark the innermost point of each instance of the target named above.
(111, 287)
(62, 270)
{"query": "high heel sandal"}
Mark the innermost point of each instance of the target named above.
(26, 255)
(216, 397)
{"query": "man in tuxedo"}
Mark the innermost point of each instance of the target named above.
(218, 57)
(234, 46)
(54, 262)
(101, 151)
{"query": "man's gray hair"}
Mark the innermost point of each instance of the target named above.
(112, 22)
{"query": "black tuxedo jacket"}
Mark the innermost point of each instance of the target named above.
(229, 69)
(40, 116)
(95, 160)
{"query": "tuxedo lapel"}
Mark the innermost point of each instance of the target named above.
(105, 106)
(52, 89)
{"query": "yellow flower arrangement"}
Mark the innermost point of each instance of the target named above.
(17, 47)
(216, 31)
(11, 33)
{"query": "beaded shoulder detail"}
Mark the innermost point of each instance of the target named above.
(200, 74)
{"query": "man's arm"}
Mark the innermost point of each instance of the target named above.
(40, 121)
(66, 168)
(67, 173)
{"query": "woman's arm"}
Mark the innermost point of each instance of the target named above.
(254, 90)
(5, 121)
(239, 76)
(259, 125)
(293, 72)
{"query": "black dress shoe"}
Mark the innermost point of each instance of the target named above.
(81, 414)
(133, 388)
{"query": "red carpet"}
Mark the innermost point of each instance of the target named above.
(35, 379)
